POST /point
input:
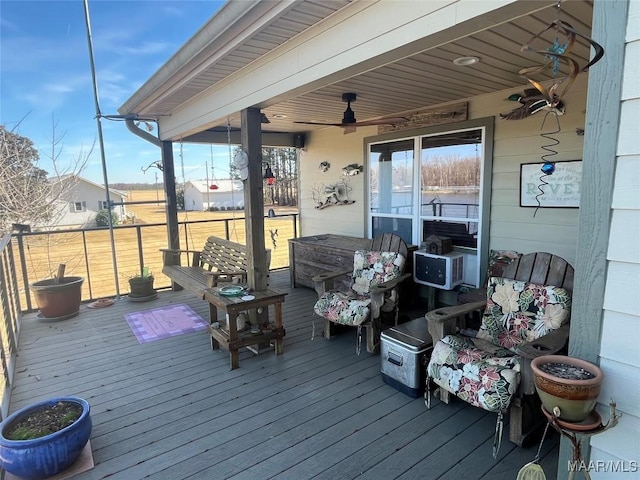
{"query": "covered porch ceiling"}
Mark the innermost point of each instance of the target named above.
(294, 60)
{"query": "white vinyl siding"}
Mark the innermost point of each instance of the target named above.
(619, 352)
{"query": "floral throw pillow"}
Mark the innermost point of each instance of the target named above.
(371, 268)
(519, 312)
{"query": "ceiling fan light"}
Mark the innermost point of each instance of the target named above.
(278, 115)
(466, 61)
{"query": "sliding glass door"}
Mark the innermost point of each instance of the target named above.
(434, 184)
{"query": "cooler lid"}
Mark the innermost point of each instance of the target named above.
(413, 334)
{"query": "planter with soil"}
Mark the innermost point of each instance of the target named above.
(58, 298)
(141, 287)
(569, 383)
(45, 438)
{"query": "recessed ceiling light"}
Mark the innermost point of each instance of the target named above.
(278, 115)
(466, 61)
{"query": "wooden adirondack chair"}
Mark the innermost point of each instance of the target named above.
(371, 294)
(525, 337)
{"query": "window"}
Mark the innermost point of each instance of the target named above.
(435, 183)
(103, 205)
(79, 206)
(450, 167)
(391, 188)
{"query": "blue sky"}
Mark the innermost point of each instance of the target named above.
(45, 76)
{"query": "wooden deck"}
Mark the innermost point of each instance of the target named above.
(172, 409)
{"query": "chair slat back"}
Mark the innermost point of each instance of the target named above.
(389, 242)
(541, 268)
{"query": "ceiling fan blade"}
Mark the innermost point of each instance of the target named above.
(320, 123)
(381, 121)
(365, 123)
(349, 122)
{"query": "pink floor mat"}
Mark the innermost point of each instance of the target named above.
(164, 322)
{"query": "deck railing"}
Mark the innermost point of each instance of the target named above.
(10, 328)
(87, 252)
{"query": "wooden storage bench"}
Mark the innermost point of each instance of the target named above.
(219, 260)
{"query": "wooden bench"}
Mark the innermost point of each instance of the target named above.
(219, 260)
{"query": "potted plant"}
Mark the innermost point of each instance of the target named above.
(569, 383)
(45, 438)
(58, 298)
(141, 286)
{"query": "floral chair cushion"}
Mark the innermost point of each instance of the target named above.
(477, 371)
(519, 312)
(370, 268)
(343, 308)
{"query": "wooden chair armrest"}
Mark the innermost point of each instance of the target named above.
(214, 277)
(378, 292)
(444, 314)
(323, 282)
(171, 256)
(444, 321)
(386, 286)
(177, 250)
(548, 344)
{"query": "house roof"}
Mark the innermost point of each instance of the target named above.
(224, 185)
(71, 178)
(294, 60)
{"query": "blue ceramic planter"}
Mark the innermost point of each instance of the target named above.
(45, 456)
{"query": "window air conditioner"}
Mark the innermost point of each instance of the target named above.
(439, 271)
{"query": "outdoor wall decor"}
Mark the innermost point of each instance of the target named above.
(324, 166)
(329, 195)
(352, 169)
(428, 117)
(562, 189)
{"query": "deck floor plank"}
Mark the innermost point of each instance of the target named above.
(173, 409)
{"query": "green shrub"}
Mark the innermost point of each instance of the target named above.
(102, 218)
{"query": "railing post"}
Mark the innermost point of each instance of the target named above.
(86, 262)
(295, 225)
(226, 229)
(25, 275)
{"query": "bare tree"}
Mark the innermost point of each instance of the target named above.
(27, 196)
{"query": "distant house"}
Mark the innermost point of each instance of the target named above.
(222, 194)
(79, 200)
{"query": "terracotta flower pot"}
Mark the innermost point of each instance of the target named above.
(58, 299)
(575, 397)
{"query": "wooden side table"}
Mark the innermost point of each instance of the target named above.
(230, 339)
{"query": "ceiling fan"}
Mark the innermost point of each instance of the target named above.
(349, 122)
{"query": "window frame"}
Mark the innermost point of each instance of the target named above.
(487, 126)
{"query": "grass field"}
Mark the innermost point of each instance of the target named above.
(88, 254)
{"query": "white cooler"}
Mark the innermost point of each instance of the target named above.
(403, 350)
